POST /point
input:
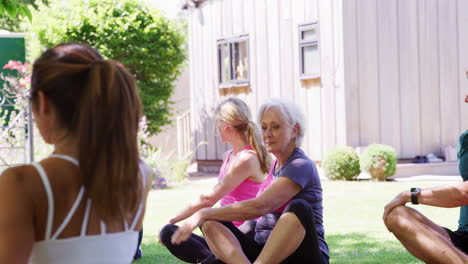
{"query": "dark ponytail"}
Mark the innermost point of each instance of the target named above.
(97, 102)
(107, 132)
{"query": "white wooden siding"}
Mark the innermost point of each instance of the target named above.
(410, 105)
(462, 60)
(351, 73)
(273, 30)
(404, 72)
(313, 95)
(392, 71)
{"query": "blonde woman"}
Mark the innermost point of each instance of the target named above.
(240, 177)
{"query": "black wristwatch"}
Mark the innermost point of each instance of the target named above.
(414, 195)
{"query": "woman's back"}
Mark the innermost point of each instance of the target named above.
(66, 225)
(87, 107)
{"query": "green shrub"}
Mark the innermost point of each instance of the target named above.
(379, 156)
(341, 163)
(148, 44)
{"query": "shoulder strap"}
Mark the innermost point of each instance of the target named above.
(50, 199)
(103, 227)
(140, 207)
(224, 166)
(84, 225)
(69, 215)
(66, 157)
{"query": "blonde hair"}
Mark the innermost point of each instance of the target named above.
(236, 113)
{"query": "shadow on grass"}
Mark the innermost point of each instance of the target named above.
(359, 248)
(349, 248)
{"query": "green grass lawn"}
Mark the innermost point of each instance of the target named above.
(352, 218)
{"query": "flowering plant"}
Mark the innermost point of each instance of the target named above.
(17, 85)
(158, 182)
(14, 110)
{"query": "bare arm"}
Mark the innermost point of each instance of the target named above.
(16, 218)
(281, 191)
(443, 196)
(246, 166)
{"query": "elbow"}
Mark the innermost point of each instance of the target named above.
(464, 197)
(207, 201)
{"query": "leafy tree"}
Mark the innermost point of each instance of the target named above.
(148, 44)
(13, 9)
(19, 23)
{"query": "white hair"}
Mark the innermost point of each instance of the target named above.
(290, 112)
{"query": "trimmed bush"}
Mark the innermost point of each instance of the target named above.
(379, 159)
(148, 44)
(341, 163)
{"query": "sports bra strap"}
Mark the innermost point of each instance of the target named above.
(103, 227)
(66, 157)
(70, 214)
(84, 225)
(76, 203)
(50, 199)
(137, 216)
(140, 207)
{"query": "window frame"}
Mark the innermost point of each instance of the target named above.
(305, 43)
(230, 41)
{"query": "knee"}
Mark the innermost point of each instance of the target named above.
(210, 226)
(299, 210)
(398, 218)
(166, 233)
(290, 219)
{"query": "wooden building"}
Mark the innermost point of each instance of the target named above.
(363, 71)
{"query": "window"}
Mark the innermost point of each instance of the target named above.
(309, 51)
(233, 61)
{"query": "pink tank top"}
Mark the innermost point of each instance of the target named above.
(245, 191)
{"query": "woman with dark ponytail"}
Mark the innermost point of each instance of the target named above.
(85, 202)
(240, 178)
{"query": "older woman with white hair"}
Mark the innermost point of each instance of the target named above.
(289, 204)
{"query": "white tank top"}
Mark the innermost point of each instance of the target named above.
(113, 248)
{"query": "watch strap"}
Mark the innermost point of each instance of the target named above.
(414, 195)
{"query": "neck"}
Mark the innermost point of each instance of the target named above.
(238, 144)
(284, 155)
(66, 146)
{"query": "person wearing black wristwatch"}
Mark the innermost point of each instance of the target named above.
(421, 236)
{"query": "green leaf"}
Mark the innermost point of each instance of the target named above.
(26, 12)
(10, 8)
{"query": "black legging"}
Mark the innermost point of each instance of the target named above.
(138, 250)
(196, 250)
(309, 250)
